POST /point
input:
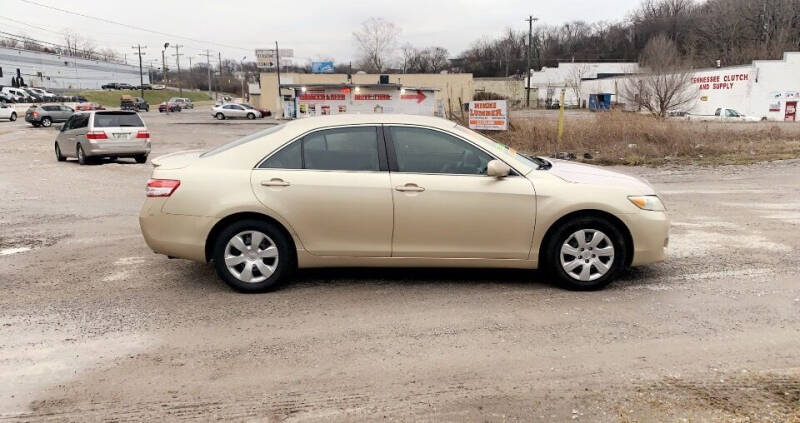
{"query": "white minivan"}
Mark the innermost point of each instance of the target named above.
(103, 133)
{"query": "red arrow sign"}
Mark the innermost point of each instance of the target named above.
(419, 96)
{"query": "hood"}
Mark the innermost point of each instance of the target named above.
(588, 174)
(177, 160)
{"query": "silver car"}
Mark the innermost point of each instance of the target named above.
(227, 111)
(95, 134)
(47, 114)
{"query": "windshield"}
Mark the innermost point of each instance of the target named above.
(240, 141)
(527, 160)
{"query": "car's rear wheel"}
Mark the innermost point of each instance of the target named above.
(251, 116)
(60, 157)
(253, 256)
(46, 122)
(220, 116)
(82, 159)
(13, 117)
(586, 253)
(141, 158)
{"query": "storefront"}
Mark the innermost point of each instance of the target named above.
(331, 99)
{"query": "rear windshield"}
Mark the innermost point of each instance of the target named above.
(115, 119)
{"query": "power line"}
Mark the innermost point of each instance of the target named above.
(138, 28)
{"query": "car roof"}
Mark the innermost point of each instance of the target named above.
(310, 123)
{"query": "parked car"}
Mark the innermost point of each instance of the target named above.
(229, 111)
(18, 95)
(398, 190)
(110, 86)
(184, 102)
(33, 96)
(6, 98)
(124, 86)
(724, 114)
(84, 107)
(8, 112)
(144, 87)
(159, 87)
(114, 134)
(46, 114)
(41, 92)
(133, 103)
(172, 107)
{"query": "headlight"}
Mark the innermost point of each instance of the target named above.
(647, 202)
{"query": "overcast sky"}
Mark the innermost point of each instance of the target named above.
(312, 28)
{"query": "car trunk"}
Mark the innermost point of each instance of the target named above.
(121, 129)
(176, 160)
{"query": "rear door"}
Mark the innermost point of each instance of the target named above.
(121, 128)
(332, 186)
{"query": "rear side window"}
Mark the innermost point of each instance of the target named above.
(110, 120)
(354, 149)
(81, 121)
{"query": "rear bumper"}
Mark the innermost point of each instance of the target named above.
(174, 235)
(116, 148)
(650, 233)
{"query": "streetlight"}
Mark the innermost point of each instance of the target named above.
(243, 76)
(164, 63)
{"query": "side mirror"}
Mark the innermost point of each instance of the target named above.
(497, 169)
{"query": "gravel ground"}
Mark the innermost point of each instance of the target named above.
(94, 326)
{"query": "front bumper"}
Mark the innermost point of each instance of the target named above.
(650, 233)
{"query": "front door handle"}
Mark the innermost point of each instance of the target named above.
(275, 182)
(409, 187)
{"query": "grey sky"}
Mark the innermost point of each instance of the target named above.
(312, 28)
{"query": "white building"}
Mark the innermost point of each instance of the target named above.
(548, 82)
(768, 89)
(54, 71)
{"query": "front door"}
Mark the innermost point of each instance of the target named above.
(446, 206)
(332, 187)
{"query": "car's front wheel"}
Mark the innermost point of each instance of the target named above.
(586, 253)
(220, 116)
(253, 256)
(13, 117)
(251, 116)
(60, 157)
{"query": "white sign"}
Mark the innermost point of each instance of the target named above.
(491, 115)
(266, 57)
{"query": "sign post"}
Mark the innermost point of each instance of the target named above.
(490, 115)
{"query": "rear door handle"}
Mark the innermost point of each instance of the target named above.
(275, 182)
(409, 187)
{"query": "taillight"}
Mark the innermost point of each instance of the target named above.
(161, 187)
(96, 135)
(142, 134)
(35, 113)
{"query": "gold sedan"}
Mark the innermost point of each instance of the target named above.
(395, 190)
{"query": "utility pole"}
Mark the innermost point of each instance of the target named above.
(244, 76)
(278, 68)
(141, 77)
(208, 61)
(178, 55)
(528, 60)
(164, 64)
(216, 93)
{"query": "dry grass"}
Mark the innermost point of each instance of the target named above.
(633, 139)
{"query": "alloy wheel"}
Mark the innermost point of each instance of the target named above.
(251, 256)
(587, 255)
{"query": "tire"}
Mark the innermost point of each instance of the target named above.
(36, 124)
(219, 116)
(46, 122)
(281, 265)
(251, 116)
(13, 117)
(60, 157)
(82, 159)
(570, 270)
(141, 158)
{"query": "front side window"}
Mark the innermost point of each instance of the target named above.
(420, 150)
(354, 149)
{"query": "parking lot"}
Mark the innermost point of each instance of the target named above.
(94, 326)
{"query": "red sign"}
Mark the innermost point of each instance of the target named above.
(320, 97)
(419, 96)
(717, 82)
(791, 111)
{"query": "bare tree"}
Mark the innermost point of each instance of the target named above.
(667, 82)
(376, 42)
(71, 41)
(574, 79)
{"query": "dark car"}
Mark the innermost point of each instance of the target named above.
(144, 87)
(173, 107)
(110, 86)
(133, 103)
(46, 114)
(124, 86)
